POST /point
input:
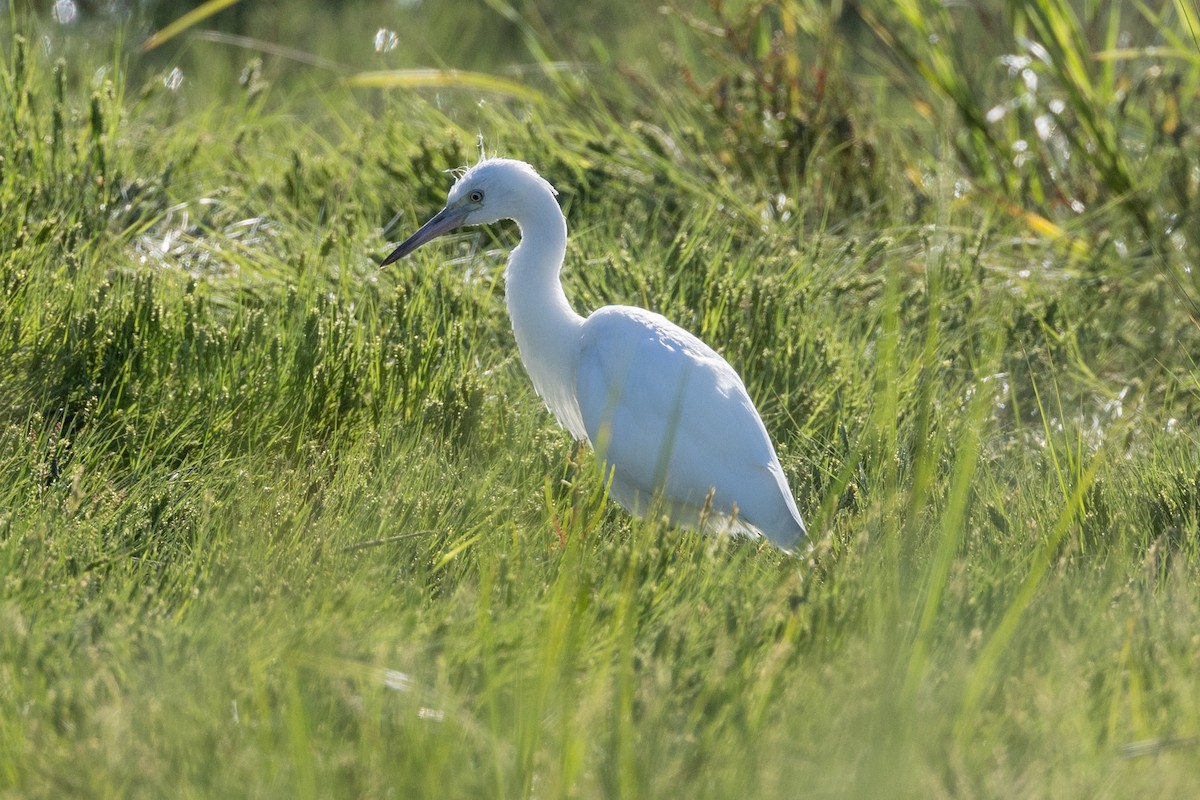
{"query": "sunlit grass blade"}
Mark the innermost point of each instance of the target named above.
(188, 20)
(953, 523)
(445, 79)
(983, 673)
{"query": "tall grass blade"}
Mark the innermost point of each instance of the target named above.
(984, 672)
(188, 20)
(445, 79)
(954, 519)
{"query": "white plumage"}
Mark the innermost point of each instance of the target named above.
(669, 416)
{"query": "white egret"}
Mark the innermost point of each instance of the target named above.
(669, 417)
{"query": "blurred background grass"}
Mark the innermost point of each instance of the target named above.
(276, 523)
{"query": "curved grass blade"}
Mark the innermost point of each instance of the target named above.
(189, 19)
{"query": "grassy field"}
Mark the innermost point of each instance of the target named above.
(274, 523)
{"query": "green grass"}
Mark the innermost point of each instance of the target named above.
(274, 523)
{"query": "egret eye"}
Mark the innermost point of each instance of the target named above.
(476, 196)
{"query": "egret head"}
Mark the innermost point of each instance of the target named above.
(492, 190)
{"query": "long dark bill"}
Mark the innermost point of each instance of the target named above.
(443, 222)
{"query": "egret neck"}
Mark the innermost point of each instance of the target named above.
(546, 328)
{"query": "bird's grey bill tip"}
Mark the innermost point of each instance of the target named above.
(391, 259)
(443, 222)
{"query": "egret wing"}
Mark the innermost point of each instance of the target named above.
(669, 414)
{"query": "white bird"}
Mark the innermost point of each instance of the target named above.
(667, 415)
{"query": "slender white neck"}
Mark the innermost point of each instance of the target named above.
(547, 329)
